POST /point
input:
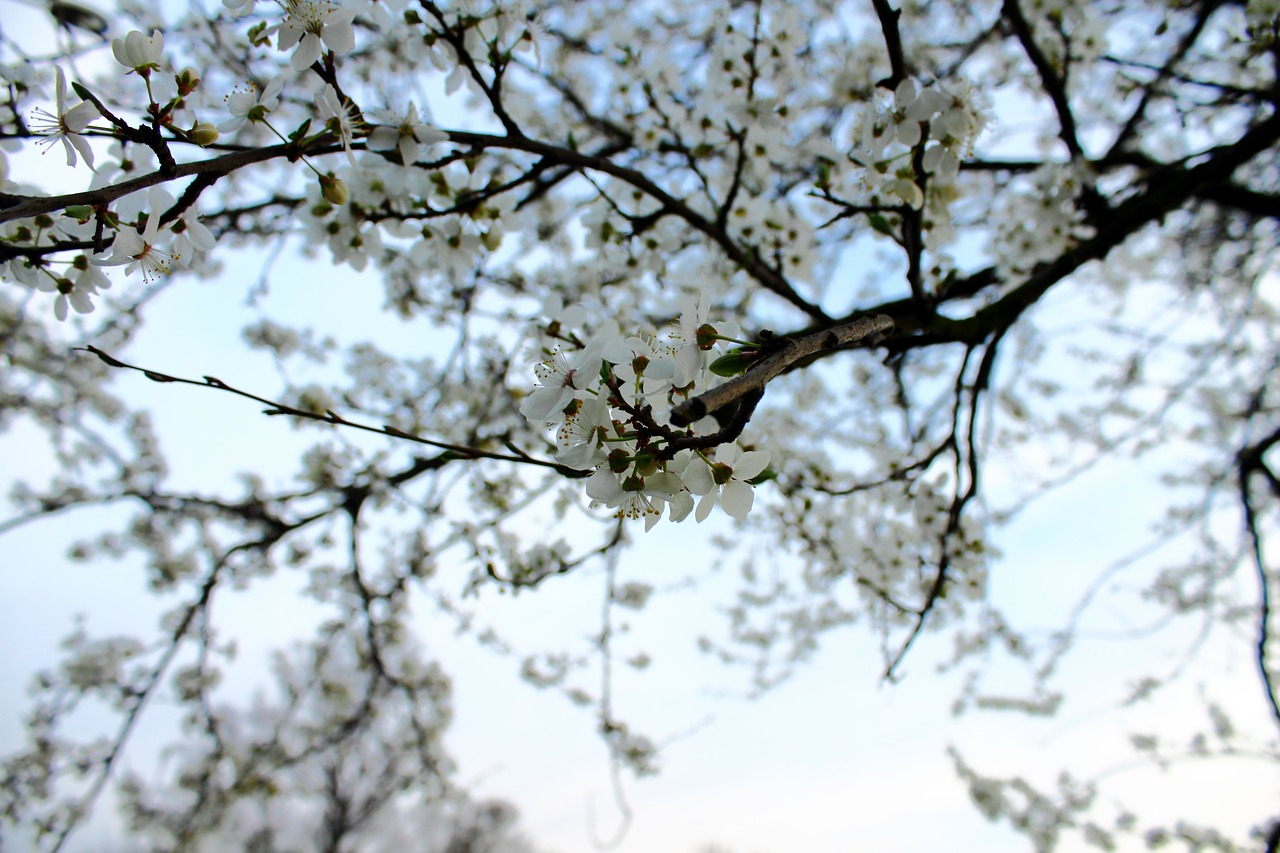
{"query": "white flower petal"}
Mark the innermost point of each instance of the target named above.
(737, 498)
(750, 464)
(705, 506)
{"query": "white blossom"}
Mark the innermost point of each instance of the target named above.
(559, 378)
(67, 124)
(140, 54)
(405, 132)
(339, 117)
(725, 479)
(311, 25)
(251, 105)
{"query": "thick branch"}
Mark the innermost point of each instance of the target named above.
(1166, 189)
(26, 206)
(753, 382)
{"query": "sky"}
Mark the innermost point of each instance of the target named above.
(834, 759)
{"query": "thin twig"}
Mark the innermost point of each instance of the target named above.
(330, 417)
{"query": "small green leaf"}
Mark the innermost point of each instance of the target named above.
(79, 212)
(879, 223)
(733, 363)
(85, 94)
(763, 477)
(301, 131)
(258, 34)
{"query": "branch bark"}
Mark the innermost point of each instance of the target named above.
(752, 383)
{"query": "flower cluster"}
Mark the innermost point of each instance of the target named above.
(941, 127)
(606, 394)
(1044, 221)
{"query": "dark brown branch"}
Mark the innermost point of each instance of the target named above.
(216, 166)
(768, 277)
(892, 42)
(1249, 461)
(1054, 86)
(1130, 128)
(1165, 190)
(1243, 199)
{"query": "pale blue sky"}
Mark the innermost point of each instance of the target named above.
(833, 760)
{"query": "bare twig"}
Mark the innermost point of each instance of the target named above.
(458, 451)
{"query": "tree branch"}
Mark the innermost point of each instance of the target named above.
(753, 382)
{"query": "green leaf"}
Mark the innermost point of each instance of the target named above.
(258, 34)
(733, 363)
(763, 477)
(823, 180)
(879, 223)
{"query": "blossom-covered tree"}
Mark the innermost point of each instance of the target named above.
(819, 267)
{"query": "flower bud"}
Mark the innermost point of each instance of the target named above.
(619, 461)
(203, 133)
(333, 190)
(188, 81)
(646, 465)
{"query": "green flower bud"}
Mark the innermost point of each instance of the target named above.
(333, 190)
(619, 461)
(203, 133)
(188, 81)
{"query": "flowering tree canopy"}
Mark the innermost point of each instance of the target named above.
(815, 272)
